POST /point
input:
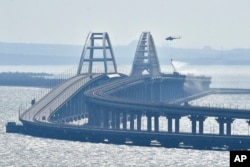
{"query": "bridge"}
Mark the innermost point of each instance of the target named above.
(112, 105)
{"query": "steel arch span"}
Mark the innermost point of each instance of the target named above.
(146, 59)
(97, 51)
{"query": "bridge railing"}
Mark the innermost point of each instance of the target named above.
(231, 106)
(69, 92)
(53, 82)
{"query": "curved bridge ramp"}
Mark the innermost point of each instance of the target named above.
(103, 97)
(41, 111)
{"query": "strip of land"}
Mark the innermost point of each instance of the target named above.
(28, 79)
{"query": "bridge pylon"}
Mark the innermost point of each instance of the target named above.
(97, 55)
(146, 59)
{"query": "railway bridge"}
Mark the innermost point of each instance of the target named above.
(116, 108)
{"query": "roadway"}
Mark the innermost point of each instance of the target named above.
(42, 109)
(37, 117)
(103, 96)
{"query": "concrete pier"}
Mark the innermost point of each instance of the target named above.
(200, 119)
(227, 122)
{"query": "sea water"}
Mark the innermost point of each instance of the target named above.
(24, 150)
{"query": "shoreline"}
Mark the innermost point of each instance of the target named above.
(28, 79)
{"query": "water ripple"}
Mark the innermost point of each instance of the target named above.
(22, 150)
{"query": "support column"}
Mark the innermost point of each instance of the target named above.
(221, 127)
(156, 122)
(117, 120)
(106, 119)
(177, 124)
(149, 122)
(97, 117)
(170, 122)
(193, 126)
(228, 122)
(113, 119)
(124, 120)
(132, 117)
(139, 121)
(101, 118)
(90, 115)
(170, 118)
(200, 119)
(228, 128)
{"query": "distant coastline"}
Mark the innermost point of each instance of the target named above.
(55, 54)
(28, 79)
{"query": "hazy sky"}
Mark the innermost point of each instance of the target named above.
(221, 24)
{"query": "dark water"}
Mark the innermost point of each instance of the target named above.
(21, 150)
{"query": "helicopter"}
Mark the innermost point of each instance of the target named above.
(170, 38)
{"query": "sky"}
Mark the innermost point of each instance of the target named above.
(220, 24)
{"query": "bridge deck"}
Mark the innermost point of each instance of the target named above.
(101, 95)
(37, 117)
(41, 110)
(102, 103)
